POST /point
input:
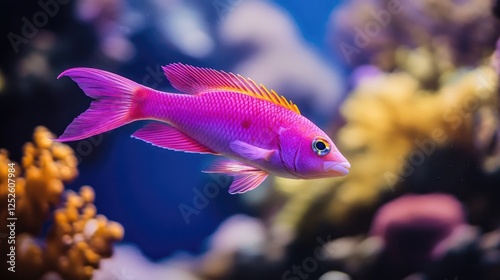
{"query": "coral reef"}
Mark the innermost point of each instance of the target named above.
(423, 118)
(419, 122)
(393, 127)
(76, 239)
(47, 166)
(418, 233)
(457, 33)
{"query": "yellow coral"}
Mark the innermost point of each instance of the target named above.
(78, 238)
(47, 166)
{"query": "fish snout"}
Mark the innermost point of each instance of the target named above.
(336, 168)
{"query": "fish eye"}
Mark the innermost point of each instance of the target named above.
(320, 146)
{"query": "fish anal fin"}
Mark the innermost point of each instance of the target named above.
(246, 177)
(247, 182)
(168, 137)
(195, 80)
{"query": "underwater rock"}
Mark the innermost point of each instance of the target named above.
(238, 234)
(129, 263)
(335, 275)
(238, 237)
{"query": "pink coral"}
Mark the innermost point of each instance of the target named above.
(415, 228)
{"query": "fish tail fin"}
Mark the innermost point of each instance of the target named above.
(117, 102)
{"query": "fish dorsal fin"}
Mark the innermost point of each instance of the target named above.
(196, 80)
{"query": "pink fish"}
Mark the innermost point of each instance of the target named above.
(221, 113)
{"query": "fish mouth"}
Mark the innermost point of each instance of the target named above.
(337, 168)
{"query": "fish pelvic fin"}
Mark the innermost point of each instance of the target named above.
(195, 80)
(251, 152)
(246, 177)
(117, 102)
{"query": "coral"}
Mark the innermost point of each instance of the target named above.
(413, 244)
(77, 239)
(422, 117)
(47, 166)
(460, 33)
(392, 126)
(427, 220)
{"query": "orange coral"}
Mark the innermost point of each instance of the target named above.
(78, 238)
(48, 165)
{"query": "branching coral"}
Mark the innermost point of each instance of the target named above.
(48, 165)
(78, 238)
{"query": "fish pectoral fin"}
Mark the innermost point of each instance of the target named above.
(250, 152)
(246, 177)
(168, 137)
